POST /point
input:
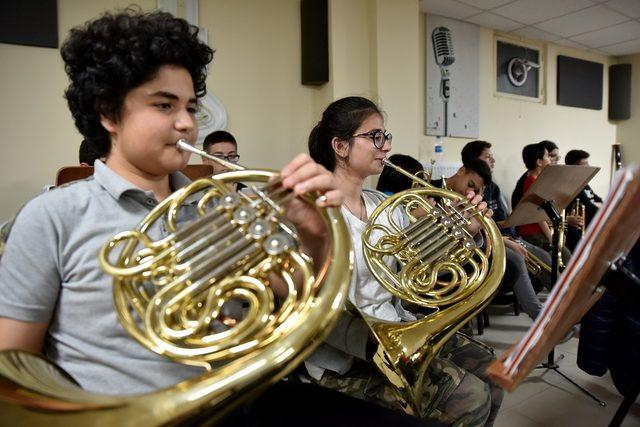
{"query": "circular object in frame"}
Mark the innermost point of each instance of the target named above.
(517, 71)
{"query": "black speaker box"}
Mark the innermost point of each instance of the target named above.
(29, 22)
(314, 25)
(580, 83)
(619, 92)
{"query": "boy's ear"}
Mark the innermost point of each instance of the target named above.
(108, 124)
(461, 171)
(340, 147)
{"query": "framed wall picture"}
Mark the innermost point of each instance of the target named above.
(519, 68)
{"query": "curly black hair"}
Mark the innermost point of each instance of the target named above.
(107, 57)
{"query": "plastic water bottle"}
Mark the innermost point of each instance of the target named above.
(438, 152)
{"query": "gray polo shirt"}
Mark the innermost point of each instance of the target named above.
(50, 273)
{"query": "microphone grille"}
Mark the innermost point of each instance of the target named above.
(442, 46)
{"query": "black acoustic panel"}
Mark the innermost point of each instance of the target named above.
(314, 22)
(620, 92)
(579, 83)
(29, 22)
(508, 51)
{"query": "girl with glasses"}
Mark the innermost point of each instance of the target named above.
(351, 141)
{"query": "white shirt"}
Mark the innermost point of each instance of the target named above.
(365, 292)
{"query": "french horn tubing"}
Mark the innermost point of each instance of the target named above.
(170, 295)
(441, 268)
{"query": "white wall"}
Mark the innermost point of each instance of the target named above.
(629, 130)
(376, 50)
(37, 134)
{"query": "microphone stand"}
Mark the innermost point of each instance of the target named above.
(445, 94)
(551, 363)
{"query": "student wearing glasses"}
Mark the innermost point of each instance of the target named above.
(223, 145)
(351, 141)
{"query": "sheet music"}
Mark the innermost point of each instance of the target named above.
(622, 181)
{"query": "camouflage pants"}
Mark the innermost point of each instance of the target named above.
(456, 390)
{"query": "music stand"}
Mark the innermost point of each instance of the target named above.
(610, 236)
(542, 202)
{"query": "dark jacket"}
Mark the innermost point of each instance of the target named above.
(610, 333)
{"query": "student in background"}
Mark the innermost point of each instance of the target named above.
(517, 251)
(220, 144)
(223, 145)
(391, 181)
(587, 197)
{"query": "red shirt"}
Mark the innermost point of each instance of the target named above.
(529, 229)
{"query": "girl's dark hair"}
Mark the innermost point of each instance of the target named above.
(391, 181)
(340, 120)
(115, 53)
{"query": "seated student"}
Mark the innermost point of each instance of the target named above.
(590, 200)
(475, 174)
(472, 176)
(391, 181)
(574, 222)
(517, 251)
(134, 83)
(536, 158)
(554, 158)
(553, 150)
(351, 141)
(222, 144)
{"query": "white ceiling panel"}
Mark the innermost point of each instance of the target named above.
(611, 35)
(627, 7)
(485, 4)
(489, 20)
(571, 43)
(448, 8)
(534, 33)
(533, 11)
(591, 19)
(625, 48)
(609, 27)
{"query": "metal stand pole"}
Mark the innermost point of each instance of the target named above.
(551, 363)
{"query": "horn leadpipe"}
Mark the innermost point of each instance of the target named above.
(413, 177)
(183, 145)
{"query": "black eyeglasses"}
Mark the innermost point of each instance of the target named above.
(233, 158)
(378, 137)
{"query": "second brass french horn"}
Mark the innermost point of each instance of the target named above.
(170, 296)
(441, 268)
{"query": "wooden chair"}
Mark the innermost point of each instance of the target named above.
(74, 173)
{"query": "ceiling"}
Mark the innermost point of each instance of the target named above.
(609, 27)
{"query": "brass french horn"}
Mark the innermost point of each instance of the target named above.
(441, 268)
(170, 296)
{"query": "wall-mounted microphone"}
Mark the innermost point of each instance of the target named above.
(443, 51)
(443, 46)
